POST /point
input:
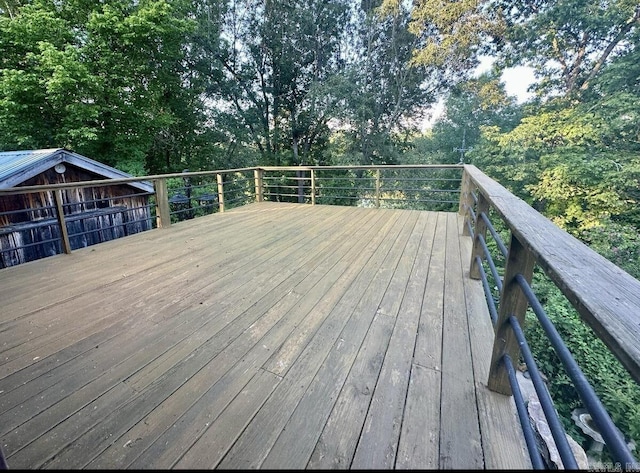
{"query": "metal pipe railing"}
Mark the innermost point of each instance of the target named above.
(610, 433)
(523, 415)
(493, 311)
(557, 430)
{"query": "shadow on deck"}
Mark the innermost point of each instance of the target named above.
(270, 336)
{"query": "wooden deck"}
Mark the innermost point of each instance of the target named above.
(270, 336)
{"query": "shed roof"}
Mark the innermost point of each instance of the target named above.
(18, 166)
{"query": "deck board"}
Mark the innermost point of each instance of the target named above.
(269, 336)
(419, 445)
(460, 442)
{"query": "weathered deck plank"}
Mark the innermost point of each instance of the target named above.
(460, 442)
(378, 442)
(144, 252)
(254, 445)
(283, 316)
(419, 445)
(271, 336)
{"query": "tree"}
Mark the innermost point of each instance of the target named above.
(112, 80)
(40, 71)
(384, 96)
(568, 43)
(471, 105)
(451, 33)
(278, 59)
(9, 7)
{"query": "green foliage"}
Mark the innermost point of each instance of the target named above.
(618, 242)
(470, 106)
(450, 33)
(567, 43)
(561, 158)
(39, 74)
(110, 80)
(572, 204)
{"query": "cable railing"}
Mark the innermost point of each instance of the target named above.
(62, 217)
(608, 300)
(418, 187)
(59, 218)
(197, 194)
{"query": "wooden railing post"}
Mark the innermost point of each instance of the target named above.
(163, 214)
(220, 192)
(257, 177)
(300, 185)
(377, 188)
(512, 302)
(466, 201)
(480, 230)
(313, 187)
(64, 235)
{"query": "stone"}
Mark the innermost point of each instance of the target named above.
(541, 426)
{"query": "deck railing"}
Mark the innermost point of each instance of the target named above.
(421, 187)
(186, 195)
(607, 298)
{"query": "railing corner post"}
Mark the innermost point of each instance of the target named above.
(466, 200)
(313, 187)
(163, 214)
(512, 302)
(378, 188)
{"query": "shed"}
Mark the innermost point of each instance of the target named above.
(29, 228)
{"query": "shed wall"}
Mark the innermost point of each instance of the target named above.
(29, 228)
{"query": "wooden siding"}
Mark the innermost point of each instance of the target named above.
(113, 211)
(270, 336)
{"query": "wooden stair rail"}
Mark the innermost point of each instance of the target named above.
(606, 297)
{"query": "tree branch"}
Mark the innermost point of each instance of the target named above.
(609, 49)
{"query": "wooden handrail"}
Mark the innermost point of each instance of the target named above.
(111, 182)
(606, 297)
(371, 167)
(150, 178)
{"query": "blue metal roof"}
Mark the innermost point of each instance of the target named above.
(13, 162)
(19, 166)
